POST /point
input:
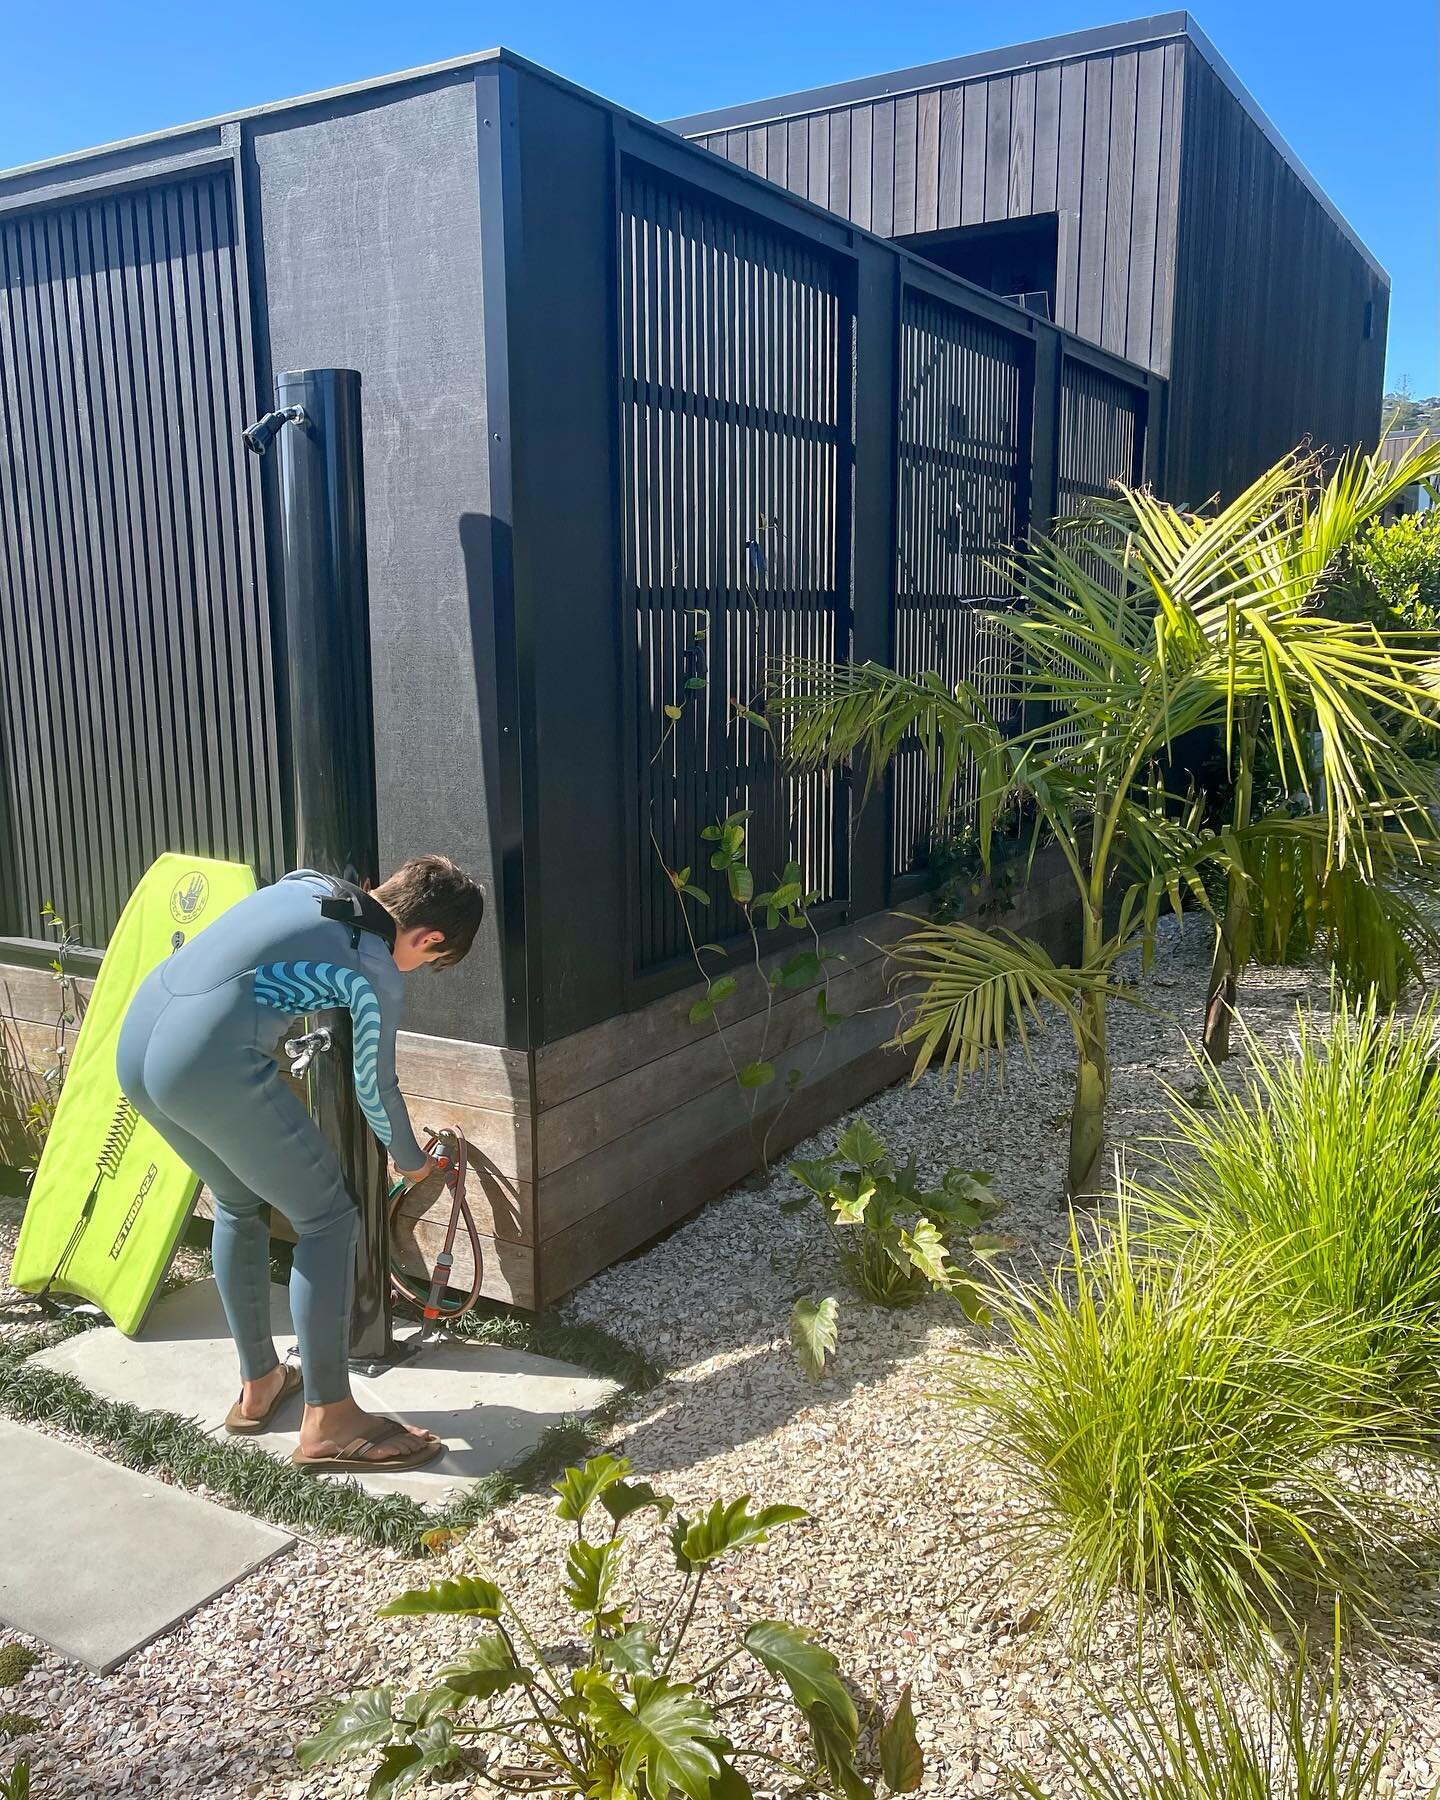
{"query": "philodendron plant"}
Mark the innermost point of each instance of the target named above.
(896, 1240)
(615, 1717)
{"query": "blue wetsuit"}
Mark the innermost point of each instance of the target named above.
(196, 1057)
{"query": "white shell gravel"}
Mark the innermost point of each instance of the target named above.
(896, 1570)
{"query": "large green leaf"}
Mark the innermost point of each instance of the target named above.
(582, 1485)
(591, 1571)
(631, 1651)
(622, 1498)
(850, 1196)
(363, 1722)
(925, 1249)
(835, 1747)
(817, 1174)
(725, 1528)
(859, 1144)
(901, 1762)
(814, 1332)
(808, 1669)
(424, 1706)
(404, 1766)
(486, 1668)
(663, 1737)
(471, 1594)
(730, 1784)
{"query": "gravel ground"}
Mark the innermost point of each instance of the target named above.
(896, 1571)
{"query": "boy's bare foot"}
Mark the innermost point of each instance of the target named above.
(330, 1430)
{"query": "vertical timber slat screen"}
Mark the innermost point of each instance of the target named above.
(1102, 440)
(138, 706)
(963, 468)
(734, 336)
(1101, 435)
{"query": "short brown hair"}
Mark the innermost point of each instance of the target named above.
(429, 893)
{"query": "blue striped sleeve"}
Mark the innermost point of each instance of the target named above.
(375, 1079)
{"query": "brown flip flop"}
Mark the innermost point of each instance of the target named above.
(378, 1431)
(235, 1420)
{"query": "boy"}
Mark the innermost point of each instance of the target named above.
(196, 1058)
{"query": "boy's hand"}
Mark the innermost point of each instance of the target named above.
(428, 1167)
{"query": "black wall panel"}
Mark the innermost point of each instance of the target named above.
(137, 707)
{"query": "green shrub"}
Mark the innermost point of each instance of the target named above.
(16, 1785)
(1327, 1162)
(1169, 1436)
(1208, 1746)
(895, 1240)
(1393, 578)
(614, 1715)
(16, 1662)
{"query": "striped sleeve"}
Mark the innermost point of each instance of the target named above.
(376, 1025)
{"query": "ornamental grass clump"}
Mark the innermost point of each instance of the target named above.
(1200, 1741)
(1170, 1436)
(1327, 1163)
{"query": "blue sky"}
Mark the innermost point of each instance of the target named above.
(1353, 90)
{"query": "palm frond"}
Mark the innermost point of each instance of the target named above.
(832, 713)
(978, 990)
(1373, 927)
(1165, 847)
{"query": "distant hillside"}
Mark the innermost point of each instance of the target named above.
(1402, 412)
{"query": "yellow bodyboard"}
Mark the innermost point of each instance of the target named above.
(143, 1192)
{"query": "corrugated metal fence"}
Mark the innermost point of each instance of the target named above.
(137, 710)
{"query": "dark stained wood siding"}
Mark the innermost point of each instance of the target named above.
(1269, 309)
(1187, 238)
(1095, 138)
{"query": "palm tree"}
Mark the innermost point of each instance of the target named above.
(1154, 623)
(1364, 697)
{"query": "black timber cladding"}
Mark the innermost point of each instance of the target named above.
(460, 236)
(1189, 237)
(1009, 146)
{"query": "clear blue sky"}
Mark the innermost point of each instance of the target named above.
(1352, 88)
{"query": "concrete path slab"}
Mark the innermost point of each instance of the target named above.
(491, 1405)
(182, 1362)
(97, 1560)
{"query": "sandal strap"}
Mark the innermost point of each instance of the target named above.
(377, 1432)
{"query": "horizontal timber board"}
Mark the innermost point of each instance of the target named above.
(503, 1139)
(464, 1074)
(576, 1127)
(598, 1054)
(632, 1219)
(502, 1207)
(509, 1268)
(34, 994)
(591, 1182)
(23, 1041)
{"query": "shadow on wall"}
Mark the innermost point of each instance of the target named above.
(486, 545)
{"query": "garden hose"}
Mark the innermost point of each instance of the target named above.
(435, 1305)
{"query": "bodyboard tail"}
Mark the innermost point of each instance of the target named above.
(110, 1197)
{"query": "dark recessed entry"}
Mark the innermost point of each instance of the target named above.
(1015, 257)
